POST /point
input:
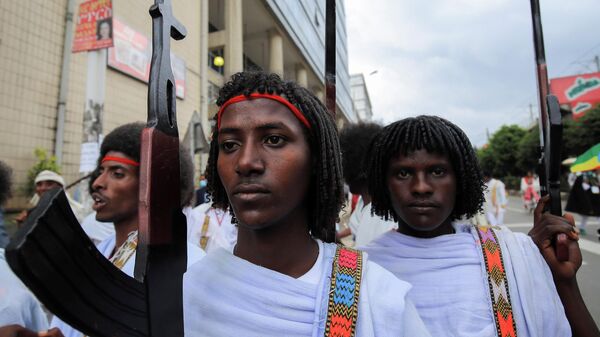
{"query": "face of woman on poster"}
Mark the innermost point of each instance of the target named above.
(104, 31)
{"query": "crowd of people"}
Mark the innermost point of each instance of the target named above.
(262, 252)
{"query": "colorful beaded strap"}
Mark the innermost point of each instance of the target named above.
(342, 310)
(497, 281)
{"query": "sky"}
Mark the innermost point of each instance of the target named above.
(469, 61)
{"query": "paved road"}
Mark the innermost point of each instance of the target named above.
(589, 274)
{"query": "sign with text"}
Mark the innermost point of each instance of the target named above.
(94, 28)
(580, 92)
(132, 53)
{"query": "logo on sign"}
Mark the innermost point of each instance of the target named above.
(581, 107)
(582, 86)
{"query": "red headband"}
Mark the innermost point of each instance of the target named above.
(121, 160)
(277, 98)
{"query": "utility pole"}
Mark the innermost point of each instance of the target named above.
(531, 113)
(597, 60)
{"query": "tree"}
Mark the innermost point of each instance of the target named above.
(45, 162)
(579, 135)
(500, 157)
(528, 151)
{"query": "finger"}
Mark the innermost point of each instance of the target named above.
(562, 248)
(570, 219)
(575, 254)
(539, 209)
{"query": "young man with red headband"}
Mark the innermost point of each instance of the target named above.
(114, 188)
(275, 164)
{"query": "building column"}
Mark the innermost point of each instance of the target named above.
(301, 75)
(234, 43)
(275, 52)
(320, 94)
(203, 83)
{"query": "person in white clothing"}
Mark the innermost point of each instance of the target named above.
(210, 228)
(467, 280)
(495, 199)
(354, 142)
(274, 160)
(115, 189)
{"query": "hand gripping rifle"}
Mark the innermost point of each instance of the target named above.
(53, 256)
(550, 124)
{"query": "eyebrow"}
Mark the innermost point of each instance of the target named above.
(262, 127)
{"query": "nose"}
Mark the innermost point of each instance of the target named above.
(99, 182)
(249, 161)
(421, 184)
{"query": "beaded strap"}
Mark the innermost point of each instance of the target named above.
(203, 232)
(497, 281)
(342, 309)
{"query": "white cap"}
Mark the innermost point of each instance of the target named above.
(48, 175)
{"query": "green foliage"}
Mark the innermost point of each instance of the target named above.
(500, 157)
(512, 182)
(44, 162)
(512, 150)
(528, 152)
(581, 134)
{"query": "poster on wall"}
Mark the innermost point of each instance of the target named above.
(132, 54)
(94, 27)
(580, 92)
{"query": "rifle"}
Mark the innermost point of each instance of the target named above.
(330, 56)
(550, 125)
(58, 262)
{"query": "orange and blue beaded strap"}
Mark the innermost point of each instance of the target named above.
(497, 281)
(342, 310)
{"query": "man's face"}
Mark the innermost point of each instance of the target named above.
(116, 191)
(264, 162)
(422, 189)
(42, 186)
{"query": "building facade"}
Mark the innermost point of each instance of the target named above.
(360, 97)
(286, 37)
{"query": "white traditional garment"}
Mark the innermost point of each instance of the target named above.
(210, 228)
(98, 231)
(124, 258)
(227, 296)
(495, 202)
(364, 226)
(450, 284)
(17, 304)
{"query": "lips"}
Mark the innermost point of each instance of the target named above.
(99, 201)
(250, 192)
(423, 206)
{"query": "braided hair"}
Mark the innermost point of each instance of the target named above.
(127, 139)
(5, 182)
(326, 193)
(435, 135)
(354, 141)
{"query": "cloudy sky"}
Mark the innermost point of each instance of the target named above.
(470, 61)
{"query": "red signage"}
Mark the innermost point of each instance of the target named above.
(580, 92)
(132, 54)
(94, 29)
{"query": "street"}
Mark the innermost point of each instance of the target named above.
(589, 275)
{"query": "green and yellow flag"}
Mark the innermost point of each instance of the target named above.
(589, 160)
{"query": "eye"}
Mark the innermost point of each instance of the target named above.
(438, 172)
(402, 174)
(118, 174)
(228, 146)
(274, 140)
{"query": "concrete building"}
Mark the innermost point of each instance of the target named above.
(360, 97)
(280, 36)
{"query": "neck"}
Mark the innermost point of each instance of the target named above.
(122, 230)
(286, 248)
(443, 229)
